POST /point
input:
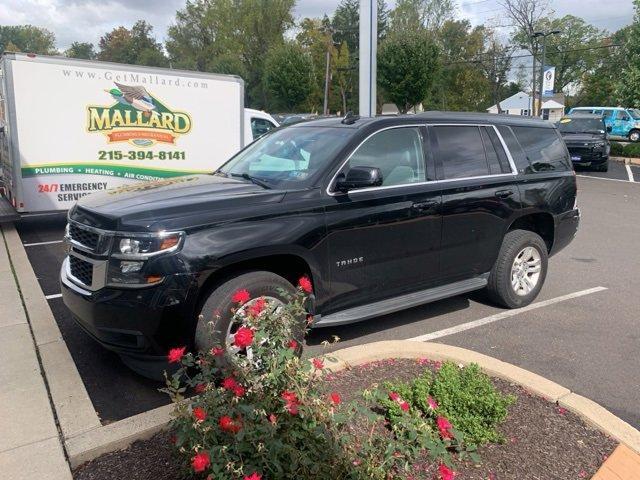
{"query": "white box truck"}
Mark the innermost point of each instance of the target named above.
(72, 127)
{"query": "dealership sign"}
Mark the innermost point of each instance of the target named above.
(548, 80)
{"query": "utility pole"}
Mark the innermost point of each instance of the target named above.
(325, 111)
(368, 52)
(544, 36)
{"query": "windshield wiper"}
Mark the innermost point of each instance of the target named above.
(251, 178)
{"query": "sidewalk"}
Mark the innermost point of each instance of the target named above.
(30, 445)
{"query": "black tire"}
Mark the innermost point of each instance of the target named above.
(219, 303)
(604, 167)
(499, 288)
(634, 136)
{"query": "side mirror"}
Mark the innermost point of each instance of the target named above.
(609, 129)
(359, 177)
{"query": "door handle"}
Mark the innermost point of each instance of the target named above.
(421, 206)
(504, 193)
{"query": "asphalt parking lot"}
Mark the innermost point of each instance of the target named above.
(581, 336)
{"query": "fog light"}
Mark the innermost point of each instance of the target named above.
(130, 267)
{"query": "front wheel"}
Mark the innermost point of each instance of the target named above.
(634, 136)
(217, 325)
(520, 270)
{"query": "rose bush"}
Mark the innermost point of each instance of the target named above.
(261, 411)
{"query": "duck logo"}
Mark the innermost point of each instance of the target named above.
(137, 117)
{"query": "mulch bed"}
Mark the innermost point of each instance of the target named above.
(544, 441)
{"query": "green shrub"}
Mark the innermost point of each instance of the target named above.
(616, 149)
(466, 397)
(632, 150)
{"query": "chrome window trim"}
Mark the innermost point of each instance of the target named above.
(514, 170)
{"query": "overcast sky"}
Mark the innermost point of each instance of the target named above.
(87, 20)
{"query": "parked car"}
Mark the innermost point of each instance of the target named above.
(256, 124)
(382, 214)
(587, 139)
(624, 122)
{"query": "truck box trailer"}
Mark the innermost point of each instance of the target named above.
(71, 127)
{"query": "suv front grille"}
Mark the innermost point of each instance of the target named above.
(85, 237)
(81, 269)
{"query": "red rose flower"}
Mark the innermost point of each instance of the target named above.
(229, 383)
(335, 398)
(199, 414)
(445, 472)
(393, 396)
(253, 476)
(228, 424)
(176, 354)
(243, 337)
(199, 388)
(318, 364)
(293, 345)
(241, 296)
(432, 403)
(444, 427)
(272, 418)
(404, 406)
(257, 307)
(305, 284)
(239, 391)
(200, 462)
(291, 402)
(217, 351)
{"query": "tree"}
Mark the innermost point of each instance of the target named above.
(83, 50)
(346, 23)
(628, 85)
(496, 64)
(343, 76)
(407, 69)
(135, 46)
(414, 15)
(316, 38)
(28, 39)
(288, 76)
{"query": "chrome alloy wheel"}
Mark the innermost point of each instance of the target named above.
(273, 305)
(525, 271)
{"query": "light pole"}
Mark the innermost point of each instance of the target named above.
(532, 98)
(544, 36)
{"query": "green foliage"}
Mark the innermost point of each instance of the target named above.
(82, 50)
(469, 400)
(27, 39)
(616, 149)
(465, 396)
(418, 15)
(628, 86)
(135, 46)
(632, 150)
(407, 68)
(288, 76)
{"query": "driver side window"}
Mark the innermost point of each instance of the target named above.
(398, 154)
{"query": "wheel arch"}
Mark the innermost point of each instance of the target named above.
(541, 223)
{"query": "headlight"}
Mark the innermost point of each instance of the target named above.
(143, 246)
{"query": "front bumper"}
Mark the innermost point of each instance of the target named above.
(139, 323)
(588, 156)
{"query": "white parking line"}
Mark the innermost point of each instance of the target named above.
(603, 178)
(502, 315)
(41, 243)
(51, 297)
(629, 172)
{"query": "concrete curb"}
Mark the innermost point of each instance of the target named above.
(71, 401)
(120, 435)
(626, 160)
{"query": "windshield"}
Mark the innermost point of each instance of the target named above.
(581, 125)
(635, 113)
(288, 157)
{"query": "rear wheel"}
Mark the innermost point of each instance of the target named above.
(603, 167)
(217, 325)
(520, 270)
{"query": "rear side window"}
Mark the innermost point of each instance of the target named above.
(496, 157)
(518, 155)
(545, 149)
(461, 151)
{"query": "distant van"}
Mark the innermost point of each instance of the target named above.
(624, 122)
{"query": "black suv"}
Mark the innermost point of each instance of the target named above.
(587, 139)
(380, 213)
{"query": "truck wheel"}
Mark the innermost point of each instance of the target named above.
(634, 135)
(215, 325)
(604, 167)
(520, 270)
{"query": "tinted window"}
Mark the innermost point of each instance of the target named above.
(621, 115)
(461, 152)
(397, 152)
(492, 156)
(518, 155)
(607, 113)
(544, 148)
(260, 126)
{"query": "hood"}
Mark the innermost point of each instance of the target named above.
(170, 203)
(583, 137)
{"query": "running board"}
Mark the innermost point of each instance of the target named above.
(403, 302)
